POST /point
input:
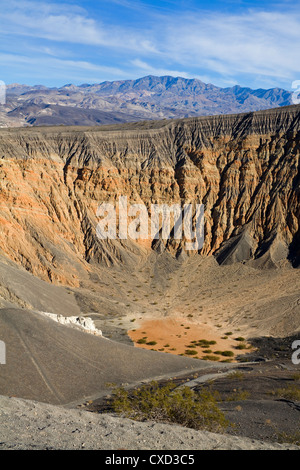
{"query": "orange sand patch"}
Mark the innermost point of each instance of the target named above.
(175, 336)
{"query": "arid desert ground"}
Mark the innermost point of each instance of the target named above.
(80, 315)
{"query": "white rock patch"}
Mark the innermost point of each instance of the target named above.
(83, 323)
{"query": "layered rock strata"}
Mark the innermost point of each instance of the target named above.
(244, 169)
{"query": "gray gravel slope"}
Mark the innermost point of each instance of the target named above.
(58, 364)
(28, 425)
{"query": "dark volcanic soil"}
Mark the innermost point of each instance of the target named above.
(261, 399)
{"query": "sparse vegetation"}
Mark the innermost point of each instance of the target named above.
(204, 343)
(210, 358)
(228, 353)
(196, 410)
(142, 341)
(238, 395)
(190, 352)
(296, 377)
(293, 438)
(291, 392)
(237, 375)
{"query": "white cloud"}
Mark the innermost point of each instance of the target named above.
(256, 43)
(69, 24)
(61, 69)
(39, 20)
(144, 68)
(261, 45)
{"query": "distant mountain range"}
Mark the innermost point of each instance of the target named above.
(147, 98)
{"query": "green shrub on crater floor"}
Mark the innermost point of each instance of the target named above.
(196, 410)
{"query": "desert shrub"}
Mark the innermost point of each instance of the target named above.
(236, 375)
(142, 341)
(204, 343)
(227, 353)
(196, 410)
(239, 338)
(210, 358)
(151, 343)
(238, 395)
(292, 392)
(190, 352)
(293, 438)
(296, 377)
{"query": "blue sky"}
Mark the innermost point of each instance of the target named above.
(224, 42)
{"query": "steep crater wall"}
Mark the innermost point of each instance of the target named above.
(243, 168)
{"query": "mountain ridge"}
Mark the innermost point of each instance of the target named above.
(146, 98)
